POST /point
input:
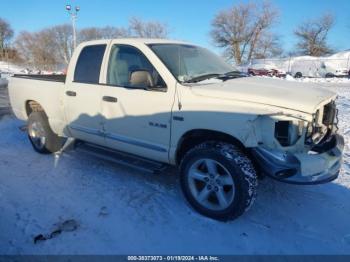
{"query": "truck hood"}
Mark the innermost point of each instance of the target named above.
(273, 92)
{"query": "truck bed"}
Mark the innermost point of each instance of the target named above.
(52, 78)
(44, 90)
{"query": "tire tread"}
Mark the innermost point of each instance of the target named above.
(248, 180)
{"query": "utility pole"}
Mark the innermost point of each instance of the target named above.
(74, 16)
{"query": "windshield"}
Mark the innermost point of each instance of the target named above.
(187, 62)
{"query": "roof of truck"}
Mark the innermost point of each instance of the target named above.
(141, 40)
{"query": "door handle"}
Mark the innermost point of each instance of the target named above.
(110, 99)
(71, 93)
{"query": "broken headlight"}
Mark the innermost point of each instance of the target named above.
(329, 114)
(315, 132)
(288, 133)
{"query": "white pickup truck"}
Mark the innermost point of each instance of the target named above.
(173, 103)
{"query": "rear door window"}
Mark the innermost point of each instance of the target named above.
(89, 63)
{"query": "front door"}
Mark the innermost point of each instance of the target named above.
(83, 96)
(137, 121)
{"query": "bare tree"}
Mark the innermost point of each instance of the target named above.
(24, 44)
(240, 28)
(6, 34)
(147, 29)
(47, 48)
(268, 45)
(37, 50)
(61, 39)
(108, 32)
(135, 28)
(53, 47)
(312, 36)
(87, 34)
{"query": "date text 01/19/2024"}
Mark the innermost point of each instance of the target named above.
(173, 258)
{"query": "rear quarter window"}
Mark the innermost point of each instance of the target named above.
(89, 63)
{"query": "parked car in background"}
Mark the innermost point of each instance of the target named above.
(307, 67)
(341, 72)
(333, 70)
(258, 72)
(279, 73)
(265, 70)
(315, 67)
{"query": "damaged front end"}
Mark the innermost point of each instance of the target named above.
(301, 152)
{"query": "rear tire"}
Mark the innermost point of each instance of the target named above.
(218, 180)
(41, 136)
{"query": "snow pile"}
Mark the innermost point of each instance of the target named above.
(117, 210)
(344, 55)
(7, 69)
(333, 80)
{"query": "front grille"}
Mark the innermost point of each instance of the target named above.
(329, 114)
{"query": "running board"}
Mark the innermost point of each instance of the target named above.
(121, 158)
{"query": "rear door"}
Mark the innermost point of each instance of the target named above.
(83, 95)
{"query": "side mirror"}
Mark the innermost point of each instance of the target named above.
(141, 79)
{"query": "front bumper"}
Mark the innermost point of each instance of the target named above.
(320, 166)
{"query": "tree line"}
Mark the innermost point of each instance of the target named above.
(243, 31)
(51, 48)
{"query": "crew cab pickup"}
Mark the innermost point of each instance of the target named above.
(178, 104)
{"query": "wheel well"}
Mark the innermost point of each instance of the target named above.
(33, 106)
(199, 136)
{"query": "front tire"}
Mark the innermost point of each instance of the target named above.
(41, 136)
(218, 180)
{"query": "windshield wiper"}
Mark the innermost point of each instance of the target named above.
(202, 78)
(232, 74)
(224, 77)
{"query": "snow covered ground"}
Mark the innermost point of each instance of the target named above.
(122, 211)
(325, 82)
